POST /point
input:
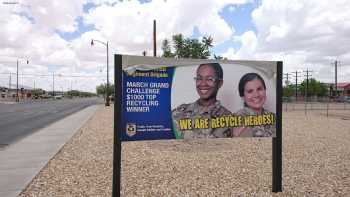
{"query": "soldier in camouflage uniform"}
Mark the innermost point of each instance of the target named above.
(195, 110)
(208, 81)
(254, 131)
(252, 90)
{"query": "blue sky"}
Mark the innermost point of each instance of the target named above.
(239, 17)
(81, 26)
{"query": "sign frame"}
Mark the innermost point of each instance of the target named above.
(276, 141)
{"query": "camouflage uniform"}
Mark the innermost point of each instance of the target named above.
(193, 111)
(257, 131)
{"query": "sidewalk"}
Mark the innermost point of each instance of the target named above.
(22, 161)
(7, 102)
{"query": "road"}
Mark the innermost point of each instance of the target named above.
(20, 120)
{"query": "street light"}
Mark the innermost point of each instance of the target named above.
(17, 98)
(107, 92)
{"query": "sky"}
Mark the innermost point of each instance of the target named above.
(55, 36)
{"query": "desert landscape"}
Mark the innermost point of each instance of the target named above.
(316, 161)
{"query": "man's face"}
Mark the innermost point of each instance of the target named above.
(254, 94)
(207, 83)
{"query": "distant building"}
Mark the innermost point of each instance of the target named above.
(7, 93)
(55, 93)
(11, 93)
(343, 89)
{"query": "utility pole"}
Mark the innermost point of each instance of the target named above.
(107, 99)
(287, 86)
(307, 83)
(154, 39)
(287, 76)
(10, 83)
(336, 77)
(336, 63)
(296, 85)
(17, 98)
(107, 92)
(71, 89)
(53, 84)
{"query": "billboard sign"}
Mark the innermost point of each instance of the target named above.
(191, 99)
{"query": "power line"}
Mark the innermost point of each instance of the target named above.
(307, 83)
(336, 76)
(296, 84)
(58, 75)
(287, 76)
(53, 84)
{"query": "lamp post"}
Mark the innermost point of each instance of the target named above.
(17, 97)
(107, 91)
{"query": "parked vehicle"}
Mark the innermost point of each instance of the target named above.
(347, 99)
(58, 97)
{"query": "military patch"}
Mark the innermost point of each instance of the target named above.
(130, 129)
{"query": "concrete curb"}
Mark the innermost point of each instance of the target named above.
(7, 102)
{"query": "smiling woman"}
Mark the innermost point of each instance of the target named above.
(252, 90)
(208, 81)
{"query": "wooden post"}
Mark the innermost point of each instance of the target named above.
(154, 39)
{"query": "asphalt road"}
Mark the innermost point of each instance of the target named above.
(20, 120)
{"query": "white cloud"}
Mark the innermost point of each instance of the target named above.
(99, 2)
(249, 44)
(129, 24)
(304, 34)
(29, 32)
(230, 54)
(317, 26)
(54, 14)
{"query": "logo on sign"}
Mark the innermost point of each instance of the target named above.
(130, 129)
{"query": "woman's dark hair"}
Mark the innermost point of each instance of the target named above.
(246, 78)
(217, 68)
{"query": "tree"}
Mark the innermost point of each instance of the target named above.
(187, 48)
(219, 57)
(288, 90)
(37, 93)
(166, 49)
(315, 88)
(101, 89)
(179, 45)
(77, 93)
(207, 43)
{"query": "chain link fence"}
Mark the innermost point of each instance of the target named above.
(321, 105)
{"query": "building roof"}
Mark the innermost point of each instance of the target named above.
(14, 86)
(343, 85)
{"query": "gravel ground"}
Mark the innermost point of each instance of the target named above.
(316, 162)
